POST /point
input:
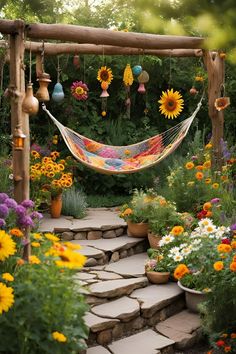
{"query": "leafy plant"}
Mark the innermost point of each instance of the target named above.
(74, 203)
(109, 200)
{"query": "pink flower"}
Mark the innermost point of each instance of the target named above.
(215, 200)
(79, 90)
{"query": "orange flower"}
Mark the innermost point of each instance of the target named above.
(227, 348)
(233, 266)
(207, 164)
(218, 266)
(180, 271)
(199, 175)
(177, 230)
(215, 185)
(221, 103)
(128, 211)
(209, 214)
(207, 206)
(189, 165)
(208, 146)
(233, 244)
(224, 178)
(16, 232)
(234, 258)
(20, 262)
(199, 168)
(233, 335)
(224, 248)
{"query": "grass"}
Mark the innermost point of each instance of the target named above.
(98, 201)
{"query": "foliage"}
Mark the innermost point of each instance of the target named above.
(224, 342)
(109, 200)
(6, 175)
(43, 309)
(74, 203)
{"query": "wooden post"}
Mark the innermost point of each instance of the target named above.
(19, 118)
(216, 72)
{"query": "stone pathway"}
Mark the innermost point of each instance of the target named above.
(128, 314)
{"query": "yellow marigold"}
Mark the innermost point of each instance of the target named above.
(35, 244)
(37, 236)
(61, 167)
(199, 78)
(232, 266)
(199, 175)
(34, 260)
(6, 298)
(224, 248)
(7, 277)
(7, 246)
(208, 180)
(207, 164)
(177, 230)
(128, 211)
(51, 237)
(218, 266)
(180, 271)
(233, 244)
(207, 206)
(189, 165)
(59, 337)
(20, 262)
(208, 146)
(70, 259)
(16, 232)
(215, 185)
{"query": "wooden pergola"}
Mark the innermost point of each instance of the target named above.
(88, 40)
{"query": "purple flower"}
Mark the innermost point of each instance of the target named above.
(3, 211)
(10, 203)
(3, 197)
(36, 215)
(25, 221)
(215, 200)
(20, 210)
(27, 203)
(2, 223)
(233, 227)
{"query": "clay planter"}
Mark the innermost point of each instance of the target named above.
(158, 277)
(153, 240)
(137, 229)
(56, 206)
(192, 297)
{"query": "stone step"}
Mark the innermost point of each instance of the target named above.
(129, 267)
(102, 251)
(183, 328)
(146, 342)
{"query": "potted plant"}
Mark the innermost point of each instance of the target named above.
(157, 269)
(136, 213)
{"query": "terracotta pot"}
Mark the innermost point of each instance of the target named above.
(56, 206)
(192, 297)
(137, 229)
(158, 277)
(154, 240)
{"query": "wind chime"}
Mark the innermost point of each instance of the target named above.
(58, 93)
(30, 103)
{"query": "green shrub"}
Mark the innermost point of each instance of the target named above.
(74, 203)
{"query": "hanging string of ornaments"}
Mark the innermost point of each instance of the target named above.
(104, 76)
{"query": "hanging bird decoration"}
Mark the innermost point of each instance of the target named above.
(104, 76)
(128, 80)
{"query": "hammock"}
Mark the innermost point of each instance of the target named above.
(110, 159)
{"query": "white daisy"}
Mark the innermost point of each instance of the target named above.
(165, 240)
(186, 251)
(174, 250)
(178, 257)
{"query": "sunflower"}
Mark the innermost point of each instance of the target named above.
(7, 246)
(105, 74)
(6, 298)
(171, 104)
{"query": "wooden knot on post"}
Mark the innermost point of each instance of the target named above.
(17, 178)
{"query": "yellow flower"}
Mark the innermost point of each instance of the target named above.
(34, 260)
(177, 230)
(72, 246)
(70, 259)
(7, 277)
(207, 164)
(37, 236)
(180, 271)
(60, 337)
(105, 74)
(171, 103)
(6, 298)
(51, 237)
(128, 76)
(218, 266)
(190, 183)
(16, 232)
(35, 244)
(35, 154)
(208, 180)
(208, 146)
(215, 185)
(199, 78)
(128, 211)
(189, 165)
(7, 246)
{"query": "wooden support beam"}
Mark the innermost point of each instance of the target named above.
(8, 27)
(216, 77)
(81, 34)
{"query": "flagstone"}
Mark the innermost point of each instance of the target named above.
(97, 350)
(97, 324)
(90, 251)
(119, 287)
(103, 275)
(123, 308)
(130, 266)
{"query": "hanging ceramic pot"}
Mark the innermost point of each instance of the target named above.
(143, 78)
(30, 103)
(42, 94)
(58, 93)
(137, 69)
(104, 86)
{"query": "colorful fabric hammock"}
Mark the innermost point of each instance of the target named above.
(110, 159)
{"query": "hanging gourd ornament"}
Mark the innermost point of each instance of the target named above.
(76, 61)
(137, 69)
(42, 94)
(58, 93)
(104, 86)
(105, 77)
(30, 103)
(143, 78)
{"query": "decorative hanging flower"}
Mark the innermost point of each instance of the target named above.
(128, 76)
(221, 103)
(79, 90)
(105, 74)
(171, 103)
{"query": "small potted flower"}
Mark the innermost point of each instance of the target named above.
(157, 269)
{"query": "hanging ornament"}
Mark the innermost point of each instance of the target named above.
(79, 90)
(105, 77)
(30, 103)
(193, 91)
(137, 69)
(42, 94)
(171, 103)
(128, 81)
(76, 61)
(58, 93)
(221, 103)
(143, 78)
